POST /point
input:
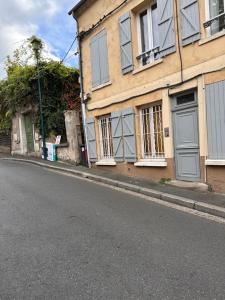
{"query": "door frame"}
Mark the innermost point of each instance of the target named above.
(179, 107)
(33, 132)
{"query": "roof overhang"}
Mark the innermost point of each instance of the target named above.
(77, 6)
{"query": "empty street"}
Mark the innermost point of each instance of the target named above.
(67, 238)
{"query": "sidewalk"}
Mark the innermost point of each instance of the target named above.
(208, 202)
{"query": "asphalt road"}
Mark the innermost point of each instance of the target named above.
(64, 238)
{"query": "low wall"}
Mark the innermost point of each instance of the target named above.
(71, 150)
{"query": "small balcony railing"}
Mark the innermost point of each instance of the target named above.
(149, 56)
(216, 23)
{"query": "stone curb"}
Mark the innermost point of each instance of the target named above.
(195, 205)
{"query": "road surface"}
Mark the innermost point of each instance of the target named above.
(66, 238)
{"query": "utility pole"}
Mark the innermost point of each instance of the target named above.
(37, 46)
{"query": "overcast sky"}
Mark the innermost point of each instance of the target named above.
(48, 19)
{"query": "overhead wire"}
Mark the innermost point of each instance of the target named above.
(74, 54)
(68, 51)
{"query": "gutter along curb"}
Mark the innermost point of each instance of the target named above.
(185, 202)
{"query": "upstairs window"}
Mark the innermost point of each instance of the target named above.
(215, 12)
(99, 59)
(148, 35)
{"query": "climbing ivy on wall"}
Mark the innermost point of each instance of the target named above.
(59, 85)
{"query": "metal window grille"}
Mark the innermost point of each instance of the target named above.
(152, 132)
(106, 143)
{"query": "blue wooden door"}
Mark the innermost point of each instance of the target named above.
(186, 137)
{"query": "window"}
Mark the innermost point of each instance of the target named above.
(185, 99)
(215, 11)
(99, 59)
(148, 35)
(105, 133)
(152, 132)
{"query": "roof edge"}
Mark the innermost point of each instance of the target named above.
(77, 6)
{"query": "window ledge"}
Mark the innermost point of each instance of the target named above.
(211, 37)
(215, 162)
(101, 86)
(106, 162)
(142, 68)
(151, 163)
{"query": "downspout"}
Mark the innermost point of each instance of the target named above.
(179, 45)
(83, 106)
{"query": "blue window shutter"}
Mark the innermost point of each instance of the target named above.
(95, 62)
(126, 43)
(189, 12)
(215, 112)
(117, 135)
(166, 27)
(103, 57)
(99, 59)
(91, 139)
(129, 135)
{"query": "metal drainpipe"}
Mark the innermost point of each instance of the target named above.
(83, 106)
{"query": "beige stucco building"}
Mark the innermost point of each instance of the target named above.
(153, 83)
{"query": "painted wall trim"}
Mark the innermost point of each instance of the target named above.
(106, 162)
(215, 162)
(148, 66)
(101, 86)
(211, 38)
(151, 163)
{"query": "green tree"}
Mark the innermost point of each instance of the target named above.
(60, 90)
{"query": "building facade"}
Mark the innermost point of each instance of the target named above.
(153, 82)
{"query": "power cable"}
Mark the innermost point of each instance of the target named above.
(74, 54)
(68, 50)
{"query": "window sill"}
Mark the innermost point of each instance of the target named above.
(106, 162)
(151, 163)
(215, 162)
(101, 86)
(148, 66)
(211, 37)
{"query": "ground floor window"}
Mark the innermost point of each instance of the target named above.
(105, 134)
(152, 132)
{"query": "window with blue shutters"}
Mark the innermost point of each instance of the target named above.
(99, 59)
(148, 35)
(117, 136)
(156, 34)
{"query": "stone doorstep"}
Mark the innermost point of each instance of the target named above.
(195, 205)
(196, 186)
